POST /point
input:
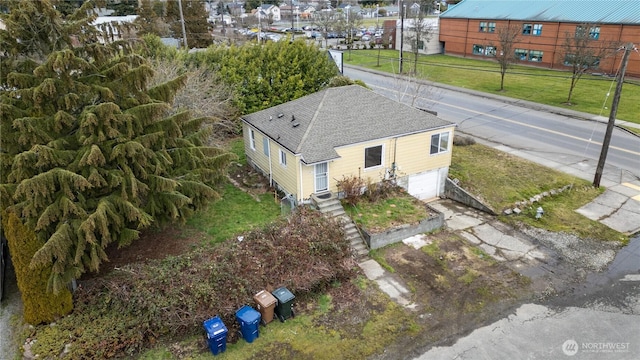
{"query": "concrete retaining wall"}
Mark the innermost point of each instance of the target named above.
(454, 192)
(399, 233)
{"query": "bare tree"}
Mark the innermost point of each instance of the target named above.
(583, 51)
(505, 54)
(324, 21)
(203, 96)
(421, 30)
(347, 23)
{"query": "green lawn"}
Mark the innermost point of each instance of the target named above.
(501, 179)
(544, 86)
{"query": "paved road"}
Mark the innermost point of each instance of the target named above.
(552, 133)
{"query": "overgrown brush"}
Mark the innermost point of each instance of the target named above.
(130, 308)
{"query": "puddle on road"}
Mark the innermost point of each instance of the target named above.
(627, 261)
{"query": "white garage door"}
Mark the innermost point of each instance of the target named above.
(424, 186)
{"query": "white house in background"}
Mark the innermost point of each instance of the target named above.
(268, 11)
(106, 25)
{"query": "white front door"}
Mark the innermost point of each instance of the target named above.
(322, 177)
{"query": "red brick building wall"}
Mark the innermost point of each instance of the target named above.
(460, 35)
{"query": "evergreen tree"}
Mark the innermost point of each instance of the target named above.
(195, 22)
(147, 20)
(271, 74)
(90, 154)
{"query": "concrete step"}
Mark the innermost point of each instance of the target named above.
(329, 207)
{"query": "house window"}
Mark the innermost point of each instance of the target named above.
(526, 29)
(483, 26)
(478, 49)
(537, 29)
(252, 139)
(373, 157)
(535, 55)
(283, 158)
(439, 143)
(594, 32)
(492, 27)
(522, 54)
(265, 145)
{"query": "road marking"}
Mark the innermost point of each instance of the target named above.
(631, 186)
(631, 277)
(635, 187)
(515, 122)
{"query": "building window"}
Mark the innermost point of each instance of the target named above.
(373, 157)
(439, 143)
(526, 29)
(587, 62)
(252, 139)
(484, 50)
(492, 27)
(537, 29)
(535, 55)
(283, 158)
(487, 26)
(522, 54)
(594, 32)
(265, 145)
(478, 49)
(483, 26)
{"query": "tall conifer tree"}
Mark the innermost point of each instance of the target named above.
(90, 154)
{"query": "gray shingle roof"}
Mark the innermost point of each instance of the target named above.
(579, 11)
(336, 117)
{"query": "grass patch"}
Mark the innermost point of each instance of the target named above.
(543, 86)
(469, 276)
(378, 256)
(324, 303)
(301, 338)
(235, 213)
(387, 213)
(501, 179)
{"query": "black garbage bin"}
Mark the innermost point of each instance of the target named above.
(284, 308)
(216, 335)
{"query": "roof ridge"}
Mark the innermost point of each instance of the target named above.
(313, 120)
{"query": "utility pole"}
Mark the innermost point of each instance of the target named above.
(293, 33)
(612, 116)
(184, 31)
(401, 9)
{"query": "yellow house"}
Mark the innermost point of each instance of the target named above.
(307, 145)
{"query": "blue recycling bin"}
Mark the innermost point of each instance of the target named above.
(216, 335)
(249, 320)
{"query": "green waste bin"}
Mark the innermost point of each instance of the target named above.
(284, 307)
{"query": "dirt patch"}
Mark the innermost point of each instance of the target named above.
(456, 288)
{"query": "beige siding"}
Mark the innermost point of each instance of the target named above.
(285, 177)
(411, 157)
(257, 156)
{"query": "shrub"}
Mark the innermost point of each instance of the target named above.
(460, 140)
(121, 313)
(381, 190)
(40, 305)
(352, 188)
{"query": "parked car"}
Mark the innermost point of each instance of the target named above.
(366, 37)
